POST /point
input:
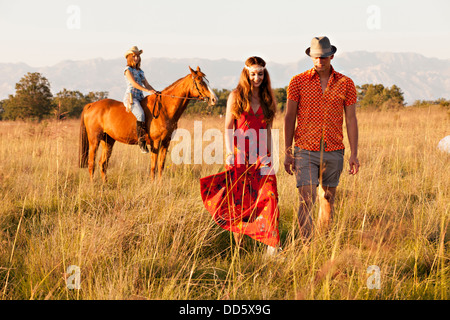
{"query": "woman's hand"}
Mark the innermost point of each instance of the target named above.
(229, 159)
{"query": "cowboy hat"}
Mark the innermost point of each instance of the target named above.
(134, 50)
(321, 48)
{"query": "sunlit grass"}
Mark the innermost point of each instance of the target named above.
(137, 239)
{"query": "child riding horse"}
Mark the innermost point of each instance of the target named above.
(136, 84)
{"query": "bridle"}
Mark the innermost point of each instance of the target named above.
(159, 95)
(201, 98)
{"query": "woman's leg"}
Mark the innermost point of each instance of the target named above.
(138, 112)
(238, 238)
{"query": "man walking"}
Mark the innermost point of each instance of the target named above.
(319, 99)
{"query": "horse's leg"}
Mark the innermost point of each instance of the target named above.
(107, 146)
(162, 158)
(154, 158)
(93, 146)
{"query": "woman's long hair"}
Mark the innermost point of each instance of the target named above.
(243, 92)
(132, 63)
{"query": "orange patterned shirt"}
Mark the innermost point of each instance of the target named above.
(320, 114)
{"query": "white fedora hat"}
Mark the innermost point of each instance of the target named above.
(321, 48)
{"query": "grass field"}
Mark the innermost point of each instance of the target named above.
(137, 239)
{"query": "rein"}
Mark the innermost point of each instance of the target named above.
(171, 96)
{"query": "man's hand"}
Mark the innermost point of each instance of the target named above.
(289, 128)
(354, 165)
(352, 133)
(289, 163)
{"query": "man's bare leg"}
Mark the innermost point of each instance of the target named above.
(307, 195)
(326, 200)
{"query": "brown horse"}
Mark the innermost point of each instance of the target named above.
(107, 121)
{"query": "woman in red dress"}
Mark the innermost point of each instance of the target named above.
(244, 198)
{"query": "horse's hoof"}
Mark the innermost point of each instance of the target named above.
(144, 149)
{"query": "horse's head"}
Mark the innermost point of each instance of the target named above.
(201, 87)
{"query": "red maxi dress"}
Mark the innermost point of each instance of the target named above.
(244, 198)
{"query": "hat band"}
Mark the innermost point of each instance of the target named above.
(321, 51)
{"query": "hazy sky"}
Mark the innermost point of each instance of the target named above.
(42, 33)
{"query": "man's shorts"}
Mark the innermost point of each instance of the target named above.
(307, 167)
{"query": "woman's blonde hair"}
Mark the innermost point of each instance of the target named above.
(243, 92)
(132, 63)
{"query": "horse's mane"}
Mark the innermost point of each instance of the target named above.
(171, 86)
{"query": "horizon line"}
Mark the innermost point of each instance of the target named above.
(219, 59)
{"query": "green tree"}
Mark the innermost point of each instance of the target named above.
(395, 95)
(222, 95)
(198, 107)
(376, 96)
(71, 103)
(33, 99)
(281, 96)
(96, 96)
(2, 110)
(426, 103)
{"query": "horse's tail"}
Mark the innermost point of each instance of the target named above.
(84, 142)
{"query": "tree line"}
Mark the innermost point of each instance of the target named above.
(196, 107)
(34, 100)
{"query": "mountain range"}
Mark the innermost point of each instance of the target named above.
(419, 77)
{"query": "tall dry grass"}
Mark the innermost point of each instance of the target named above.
(137, 239)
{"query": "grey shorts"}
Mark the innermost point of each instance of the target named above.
(307, 167)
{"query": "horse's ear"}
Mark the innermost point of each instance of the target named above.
(192, 71)
(198, 69)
